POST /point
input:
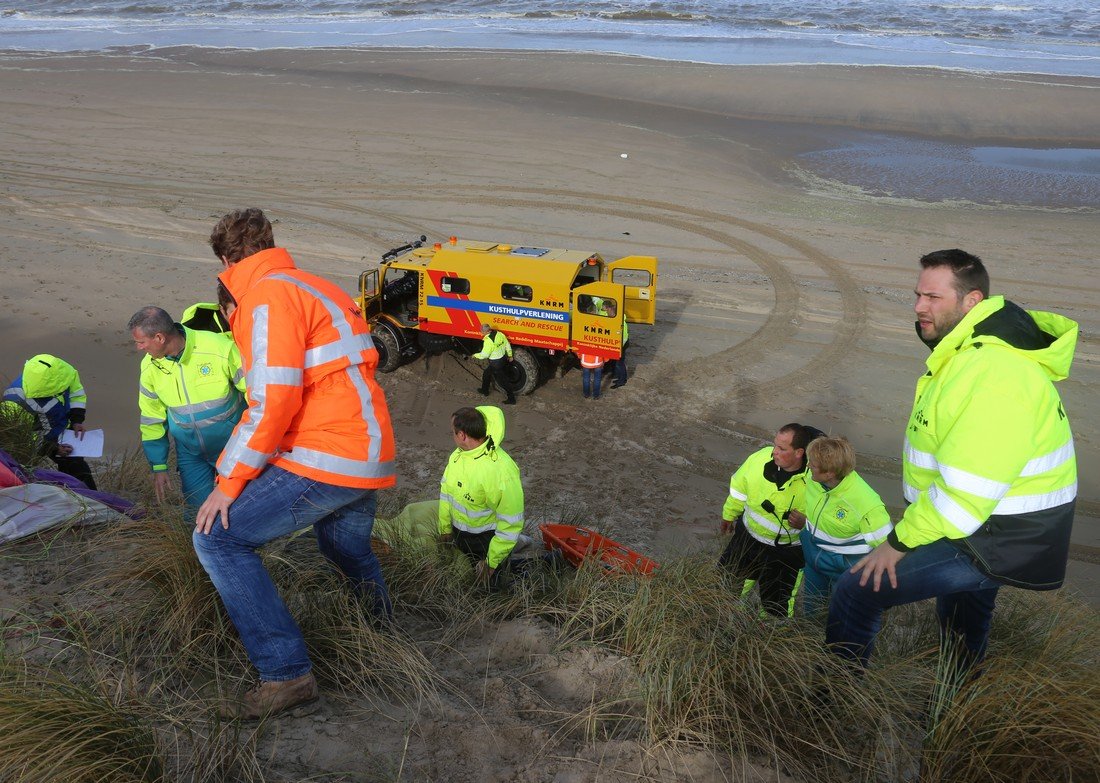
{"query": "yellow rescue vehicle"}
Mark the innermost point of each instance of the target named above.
(548, 302)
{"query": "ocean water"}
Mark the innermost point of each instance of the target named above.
(881, 164)
(1041, 36)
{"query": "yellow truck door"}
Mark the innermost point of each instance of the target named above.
(638, 276)
(597, 323)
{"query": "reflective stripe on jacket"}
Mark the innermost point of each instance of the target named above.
(591, 361)
(315, 408)
(481, 491)
(849, 519)
(494, 346)
(198, 399)
(750, 490)
(50, 390)
(989, 460)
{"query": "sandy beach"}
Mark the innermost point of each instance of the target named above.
(782, 297)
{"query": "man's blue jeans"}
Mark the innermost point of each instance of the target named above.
(274, 504)
(823, 568)
(964, 601)
(591, 380)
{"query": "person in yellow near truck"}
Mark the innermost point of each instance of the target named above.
(988, 468)
(496, 348)
(845, 518)
(764, 492)
(192, 388)
(480, 495)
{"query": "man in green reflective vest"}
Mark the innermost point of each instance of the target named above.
(480, 496)
(192, 387)
(989, 469)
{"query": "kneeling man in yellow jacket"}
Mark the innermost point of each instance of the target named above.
(480, 496)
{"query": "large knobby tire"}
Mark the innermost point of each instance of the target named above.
(522, 373)
(389, 352)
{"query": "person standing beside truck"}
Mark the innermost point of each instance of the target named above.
(591, 375)
(496, 348)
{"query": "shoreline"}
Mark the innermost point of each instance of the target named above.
(969, 108)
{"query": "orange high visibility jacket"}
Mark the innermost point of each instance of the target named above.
(590, 361)
(314, 407)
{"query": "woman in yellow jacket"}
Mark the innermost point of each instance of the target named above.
(845, 519)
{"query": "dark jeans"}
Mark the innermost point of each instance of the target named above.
(77, 468)
(964, 602)
(775, 568)
(495, 372)
(618, 368)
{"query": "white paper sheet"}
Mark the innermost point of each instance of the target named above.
(91, 445)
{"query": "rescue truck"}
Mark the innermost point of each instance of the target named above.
(428, 299)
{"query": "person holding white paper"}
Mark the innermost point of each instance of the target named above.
(49, 389)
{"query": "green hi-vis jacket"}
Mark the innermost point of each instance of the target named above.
(989, 461)
(494, 346)
(198, 398)
(848, 519)
(765, 504)
(481, 491)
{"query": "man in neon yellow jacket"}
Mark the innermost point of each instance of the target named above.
(989, 469)
(192, 387)
(480, 496)
(496, 348)
(765, 494)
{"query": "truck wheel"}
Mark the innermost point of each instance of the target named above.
(522, 372)
(389, 353)
(433, 344)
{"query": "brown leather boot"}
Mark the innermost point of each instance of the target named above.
(269, 698)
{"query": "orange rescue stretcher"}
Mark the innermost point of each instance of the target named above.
(578, 544)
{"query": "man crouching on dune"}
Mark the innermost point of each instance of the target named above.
(311, 449)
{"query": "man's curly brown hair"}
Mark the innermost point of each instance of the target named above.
(241, 233)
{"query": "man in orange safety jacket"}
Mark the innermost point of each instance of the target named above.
(311, 449)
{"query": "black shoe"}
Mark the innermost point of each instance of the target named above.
(617, 385)
(484, 392)
(509, 402)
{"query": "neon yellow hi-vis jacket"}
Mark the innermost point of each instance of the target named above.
(989, 461)
(481, 491)
(766, 506)
(198, 398)
(848, 519)
(494, 346)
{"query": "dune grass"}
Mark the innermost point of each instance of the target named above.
(57, 729)
(19, 436)
(147, 651)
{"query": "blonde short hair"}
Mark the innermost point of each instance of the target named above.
(832, 455)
